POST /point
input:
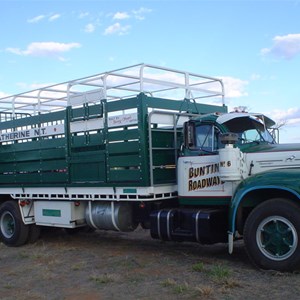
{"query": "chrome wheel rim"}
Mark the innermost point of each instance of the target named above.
(7, 224)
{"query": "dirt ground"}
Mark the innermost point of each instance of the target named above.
(111, 265)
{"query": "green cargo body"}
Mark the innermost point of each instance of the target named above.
(116, 154)
(113, 136)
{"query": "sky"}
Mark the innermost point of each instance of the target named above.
(252, 45)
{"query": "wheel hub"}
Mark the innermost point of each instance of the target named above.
(277, 238)
(7, 224)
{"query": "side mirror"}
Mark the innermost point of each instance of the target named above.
(189, 133)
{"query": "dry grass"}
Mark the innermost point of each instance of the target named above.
(106, 265)
(103, 278)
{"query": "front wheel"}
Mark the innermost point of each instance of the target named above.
(13, 232)
(272, 233)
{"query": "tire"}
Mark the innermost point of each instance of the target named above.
(13, 232)
(272, 235)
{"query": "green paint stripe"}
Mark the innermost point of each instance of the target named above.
(51, 212)
(129, 191)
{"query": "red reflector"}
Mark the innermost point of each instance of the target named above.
(22, 203)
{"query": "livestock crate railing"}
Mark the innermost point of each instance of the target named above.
(115, 85)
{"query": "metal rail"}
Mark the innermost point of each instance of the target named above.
(113, 85)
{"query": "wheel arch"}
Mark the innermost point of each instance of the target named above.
(5, 197)
(246, 199)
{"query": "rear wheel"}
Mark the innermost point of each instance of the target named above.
(13, 232)
(272, 233)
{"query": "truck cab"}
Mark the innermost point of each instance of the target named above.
(205, 138)
(232, 161)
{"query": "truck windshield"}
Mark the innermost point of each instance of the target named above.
(255, 135)
(250, 128)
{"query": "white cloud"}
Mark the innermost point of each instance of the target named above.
(290, 121)
(83, 15)
(89, 28)
(16, 51)
(286, 46)
(290, 116)
(36, 19)
(137, 14)
(117, 28)
(2, 94)
(234, 87)
(39, 18)
(121, 16)
(54, 17)
(45, 49)
(32, 86)
(255, 76)
(140, 13)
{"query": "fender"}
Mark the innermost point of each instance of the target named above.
(282, 180)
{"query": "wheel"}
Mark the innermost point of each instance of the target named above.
(271, 235)
(13, 232)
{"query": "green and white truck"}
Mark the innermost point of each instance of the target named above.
(149, 146)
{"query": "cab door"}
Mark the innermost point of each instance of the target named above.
(198, 168)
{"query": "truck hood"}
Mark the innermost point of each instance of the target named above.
(266, 147)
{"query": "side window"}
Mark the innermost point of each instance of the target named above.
(207, 138)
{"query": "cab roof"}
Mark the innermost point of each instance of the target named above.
(236, 117)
